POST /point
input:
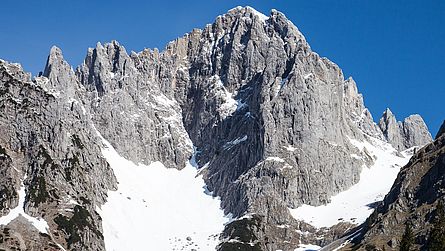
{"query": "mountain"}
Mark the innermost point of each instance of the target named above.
(413, 200)
(403, 135)
(245, 105)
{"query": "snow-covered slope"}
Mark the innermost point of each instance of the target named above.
(356, 204)
(156, 208)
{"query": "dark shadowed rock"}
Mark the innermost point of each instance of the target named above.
(441, 130)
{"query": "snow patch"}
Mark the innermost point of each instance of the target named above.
(356, 204)
(164, 208)
(236, 141)
(307, 247)
(277, 159)
(260, 15)
(282, 82)
(164, 101)
(229, 104)
(39, 223)
(307, 76)
(240, 104)
(290, 148)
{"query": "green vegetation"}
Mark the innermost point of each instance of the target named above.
(6, 194)
(38, 192)
(76, 141)
(243, 231)
(75, 225)
(3, 151)
(48, 161)
(73, 162)
(407, 241)
(85, 201)
(436, 240)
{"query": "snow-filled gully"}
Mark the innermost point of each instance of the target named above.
(159, 208)
(355, 204)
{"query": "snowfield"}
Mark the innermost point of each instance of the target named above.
(356, 204)
(156, 208)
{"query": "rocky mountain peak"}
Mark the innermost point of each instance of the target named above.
(403, 135)
(415, 131)
(272, 123)
(102, 64)
(59, 73)
(15, 70)
(247, 11)
(55, 63)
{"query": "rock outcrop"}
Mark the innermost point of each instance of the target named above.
(403, 135)
(48, 145)
(129, 109)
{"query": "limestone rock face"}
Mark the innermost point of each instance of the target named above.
(403, 135)
(47, 143)
(415, 131)
(129, 109)
(270, 120)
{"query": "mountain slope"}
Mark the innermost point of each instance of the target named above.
(272, 124)
(413, 200)
(47, 146)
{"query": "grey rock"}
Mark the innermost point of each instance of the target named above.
(403, 135)
(50, 142)
(271, 121)
(129, 110)
(415, 131)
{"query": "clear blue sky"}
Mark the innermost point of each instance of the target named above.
(395, 50)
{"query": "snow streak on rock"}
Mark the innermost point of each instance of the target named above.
(39, 224)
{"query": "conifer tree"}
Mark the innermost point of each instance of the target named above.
(407, 238)
(437, 235)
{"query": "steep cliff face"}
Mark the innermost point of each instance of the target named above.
(271, 122)
(413, 200)
(49, 148)
(254, 97)
(129, 109)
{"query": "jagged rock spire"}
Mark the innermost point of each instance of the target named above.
(59, 73)
(403, 135)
